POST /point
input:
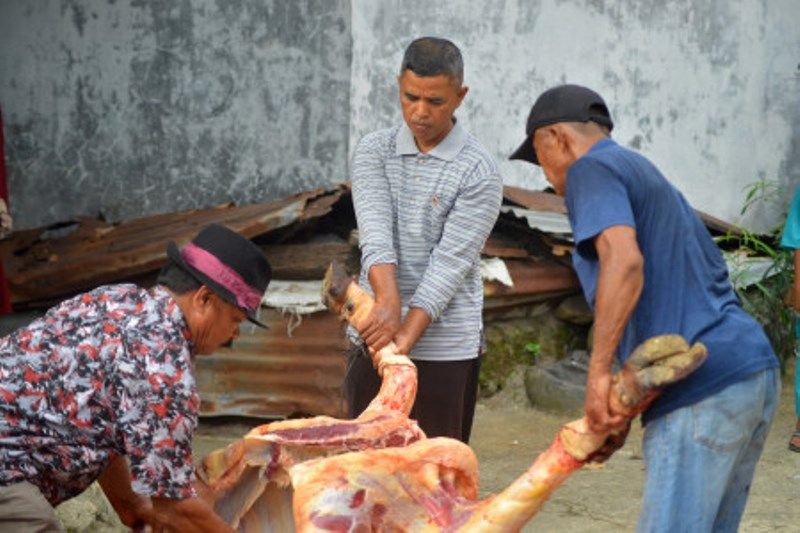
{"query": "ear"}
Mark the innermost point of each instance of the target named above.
(462, 92)
(563, 139)
(202, 300)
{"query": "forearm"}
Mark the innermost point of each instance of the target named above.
(116, 484)
(619, 285)
(414, 325)
(190, 514)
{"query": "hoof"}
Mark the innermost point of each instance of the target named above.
(672, 367)
(654, 364)
(662, 360)
(334, 286)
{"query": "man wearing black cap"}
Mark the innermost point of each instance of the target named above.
(101, 388)
(648, 266)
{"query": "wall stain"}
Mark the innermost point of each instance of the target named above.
(176, 105)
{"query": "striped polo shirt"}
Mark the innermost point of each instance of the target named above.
(429, 214)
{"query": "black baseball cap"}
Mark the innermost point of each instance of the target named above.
(565, 103)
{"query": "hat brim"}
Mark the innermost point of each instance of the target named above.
(525, 152)
(175, 255)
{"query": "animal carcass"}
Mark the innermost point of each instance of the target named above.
(379, 472)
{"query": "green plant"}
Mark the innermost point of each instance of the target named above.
(763, 295)
(533, 348)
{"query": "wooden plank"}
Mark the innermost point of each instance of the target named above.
(499, 246)
(536, 200)
(309, 261)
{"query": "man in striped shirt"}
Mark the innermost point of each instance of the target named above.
(426, 195)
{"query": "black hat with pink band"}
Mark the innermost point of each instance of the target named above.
(227, 263)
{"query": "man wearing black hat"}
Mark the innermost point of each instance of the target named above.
(648, 266)
(101, 388)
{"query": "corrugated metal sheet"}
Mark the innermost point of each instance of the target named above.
(270, 373)
(547, 202)
(94, 253)
(536, 200)
(534, 280)
(266, 373)
(545, 221)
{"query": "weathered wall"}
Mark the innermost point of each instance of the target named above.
(145, 106)
(709, 90)
(136, 107)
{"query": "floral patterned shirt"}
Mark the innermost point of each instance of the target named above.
(106, 373)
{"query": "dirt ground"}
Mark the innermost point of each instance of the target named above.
(508, 435)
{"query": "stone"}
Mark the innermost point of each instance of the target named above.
(559, 386)
(89, 512)
(575, 310)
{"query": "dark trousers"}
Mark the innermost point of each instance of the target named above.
(446, 393)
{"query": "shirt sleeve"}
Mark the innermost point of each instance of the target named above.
(791, 229)
(596, 199)
(160, 416)
(373, 205)
(466, 228)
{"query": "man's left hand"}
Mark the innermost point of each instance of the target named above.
(136, 513)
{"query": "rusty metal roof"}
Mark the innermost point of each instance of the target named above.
(547, 202)
(297, 366)
(39, 268)
(267, 373)
(534, 280)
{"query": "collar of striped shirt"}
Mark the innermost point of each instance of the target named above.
(447, 150)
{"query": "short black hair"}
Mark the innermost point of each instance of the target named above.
(432, 56)
(177, 279)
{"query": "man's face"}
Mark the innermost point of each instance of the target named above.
(217, 323)
(428, 104)
(553, 158)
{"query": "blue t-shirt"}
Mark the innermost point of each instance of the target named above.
(791, 239)
(791, 229)
(686, 286)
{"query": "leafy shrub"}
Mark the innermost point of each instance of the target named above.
(764, 299)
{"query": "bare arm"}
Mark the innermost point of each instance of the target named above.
(190, 514)
(414, 325)
(133, 509)
(619, 285)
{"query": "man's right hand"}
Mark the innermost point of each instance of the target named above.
(381, 325)
(598, 386)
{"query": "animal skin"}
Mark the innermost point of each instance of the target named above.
(380, 473)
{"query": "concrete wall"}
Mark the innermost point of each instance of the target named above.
(142, 106)
(137, 107)
(709, 90)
